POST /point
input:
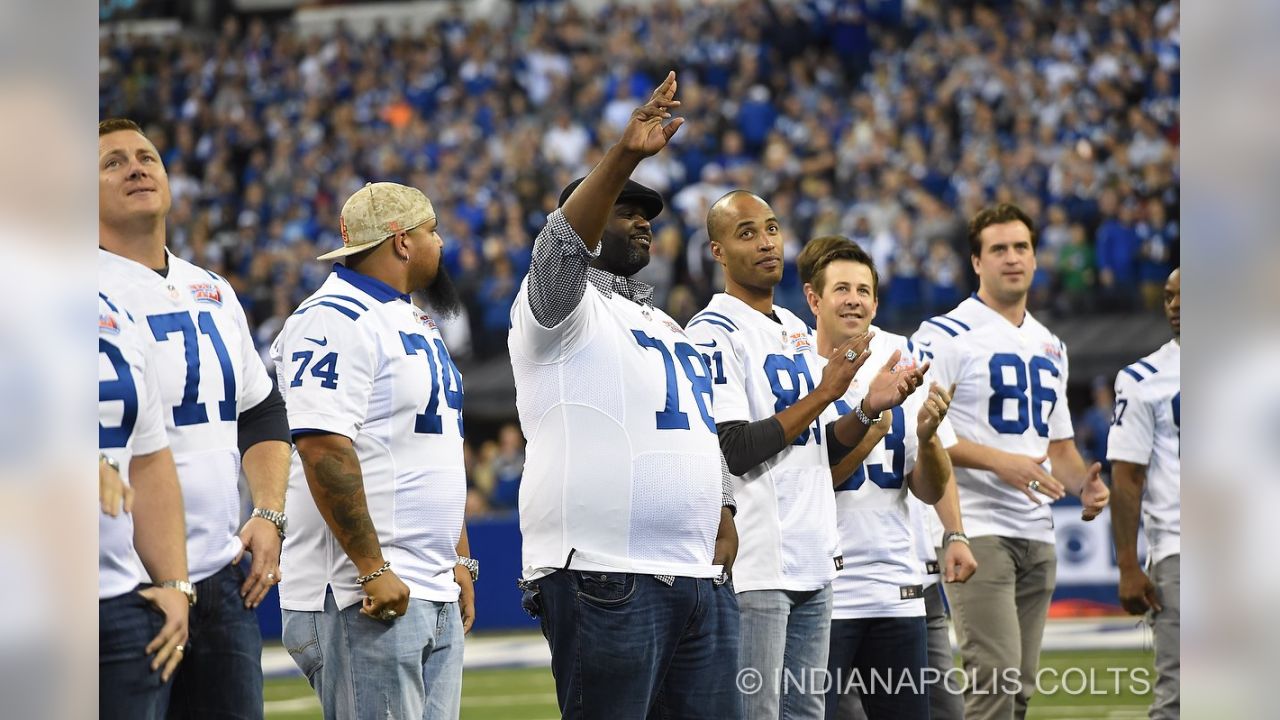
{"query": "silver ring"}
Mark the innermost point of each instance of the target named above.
(390, 614)
(180, 648)
(850, 355)
(271, 576)
(1033, 485)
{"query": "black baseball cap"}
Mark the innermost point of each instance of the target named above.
(647, 198)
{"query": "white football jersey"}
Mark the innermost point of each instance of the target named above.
(1011, 394)
(209, 373)
(622, 469)
(129, 423)
(359, 359)
(1146, 430)
(881, 576)
(786, 509)
(926, 536)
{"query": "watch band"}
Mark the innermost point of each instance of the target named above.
(956, 536)
(183, 586)
(863, 417)
(275, 517)
(472, 565)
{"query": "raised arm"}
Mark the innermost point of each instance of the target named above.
(565, 247)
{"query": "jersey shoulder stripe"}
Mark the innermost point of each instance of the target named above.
(947, 328)
(213, 274)
(711, 321)
(353, 314)
(349, 306)
(113, 307)
(958, 322)
(110, 304)
(709, 315)
(1135, 370)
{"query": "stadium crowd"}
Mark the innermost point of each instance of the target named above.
(889, 122)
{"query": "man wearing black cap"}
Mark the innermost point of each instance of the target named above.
(627, 527)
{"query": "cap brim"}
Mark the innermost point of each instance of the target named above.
(350, 250)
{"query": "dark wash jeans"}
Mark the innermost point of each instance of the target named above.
(628, 647)
(887, 648)
(221, 673)
(127, 688)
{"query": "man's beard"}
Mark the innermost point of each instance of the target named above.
(442, 295)
(620, 257)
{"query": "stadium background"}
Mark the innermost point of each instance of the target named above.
(889, 121)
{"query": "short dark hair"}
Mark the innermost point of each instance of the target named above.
(849, 251)
(997, 214)
(110, 125)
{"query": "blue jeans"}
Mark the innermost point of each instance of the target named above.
(221, 672)
(627, 647)
(362, 668)
(784, 646)
(127, 687)
(873, 654)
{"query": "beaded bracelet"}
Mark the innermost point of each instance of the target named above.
(376, 573)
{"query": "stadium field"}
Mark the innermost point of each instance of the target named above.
(528, 693)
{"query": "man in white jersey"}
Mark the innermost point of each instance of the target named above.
(378, 589)
(222, 417)
(957, 563)
(628, 532)
(141, 630)
(1144, 446)
(878, 627)
(767, 408)
(1010, 414)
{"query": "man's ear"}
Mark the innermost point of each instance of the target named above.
(811, 296)
(716, 252)
(400, 245)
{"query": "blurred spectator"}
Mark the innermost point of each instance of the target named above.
(1117, 253)
(1075, 268)
(942, 276)
(1095, 423)
(508, 468)
(1159, 237)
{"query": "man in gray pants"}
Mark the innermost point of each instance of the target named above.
(1010, 414)
(1143, 446)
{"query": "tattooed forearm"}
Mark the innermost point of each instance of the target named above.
(337, 485)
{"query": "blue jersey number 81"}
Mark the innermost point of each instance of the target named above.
(776, 367)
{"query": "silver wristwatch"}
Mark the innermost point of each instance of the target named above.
(863, 417)
(472, 565)
(954, 536)
(183, 586)
(274, 517)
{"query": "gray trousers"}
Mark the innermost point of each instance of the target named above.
(999, 616)
(943, 705)
(1165, 624)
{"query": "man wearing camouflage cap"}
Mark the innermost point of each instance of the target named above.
(377, 591)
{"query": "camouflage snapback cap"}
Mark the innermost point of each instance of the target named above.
(376, 212)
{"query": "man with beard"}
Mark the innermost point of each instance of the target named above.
(377, 591)
(628, 534)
